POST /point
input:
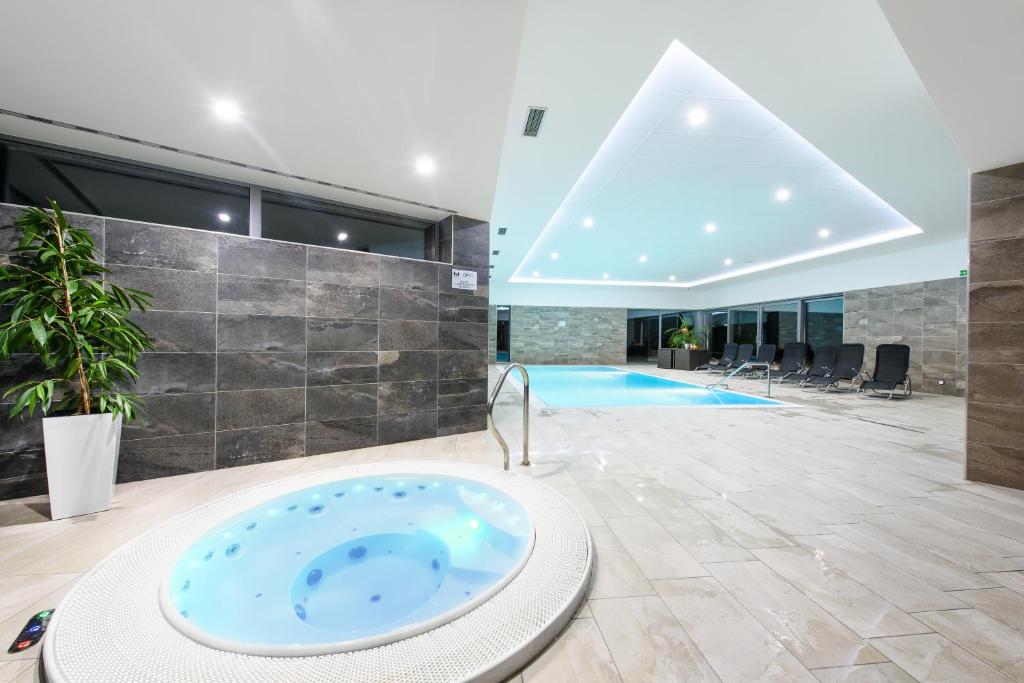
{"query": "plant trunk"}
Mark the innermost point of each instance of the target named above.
(83, 383)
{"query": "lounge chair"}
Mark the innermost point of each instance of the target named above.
(743, 354)
(766, 355)
(892, 365)
(824, 360)
(794, 358)
(725, 361)
(849, 362)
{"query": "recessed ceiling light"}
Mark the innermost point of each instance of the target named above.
(697, 116)
(710, 228)
(554, 256)
(425, 166)
(728, 261)
(782, 194)
(588, 222)
(536, 273)
(643, 258)
(604, 276)
(342, 236)
(824, 232)
(224, 217)
(226, 110)
(672, 278)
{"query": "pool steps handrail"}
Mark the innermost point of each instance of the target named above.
(721, 383)
(493, 429)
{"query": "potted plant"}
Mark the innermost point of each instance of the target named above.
(57, 305)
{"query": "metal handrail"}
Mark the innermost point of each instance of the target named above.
(749, 364)
(526, 413)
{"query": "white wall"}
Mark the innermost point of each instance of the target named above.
(885, 265)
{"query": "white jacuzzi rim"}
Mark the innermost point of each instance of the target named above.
(170, 611)
(457, 665)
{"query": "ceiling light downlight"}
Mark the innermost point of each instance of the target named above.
(782, 194)
(697, 116)
(604, 276)
(643, 258)
(536, 273)
(727, 261)
(588, 222)
(710, 228)
(553, 256)
(672, 278)
(824, 233)
(224, 217)
(425, 165)
(342, 236)
(226, 110)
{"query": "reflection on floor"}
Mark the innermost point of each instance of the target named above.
(835, 540)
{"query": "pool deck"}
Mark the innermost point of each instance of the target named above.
(832, 540)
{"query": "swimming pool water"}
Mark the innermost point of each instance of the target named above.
(350, 564)
(589, 386)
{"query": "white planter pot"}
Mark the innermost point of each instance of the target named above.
(81, 462)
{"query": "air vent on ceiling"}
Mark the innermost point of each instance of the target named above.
(502, 231)
(534, 117)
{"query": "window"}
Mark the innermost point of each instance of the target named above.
(671, 321)
(31, 174)
(642, 335)
(780, 323)
(823, 324)
(719, 331)
(312, 221)
(743, 325)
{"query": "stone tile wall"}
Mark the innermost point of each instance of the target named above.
(995, 388)
(589, 335)
(269, 350)
(930, 317)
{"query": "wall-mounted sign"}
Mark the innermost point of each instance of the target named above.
(963, 272)
(464, 279)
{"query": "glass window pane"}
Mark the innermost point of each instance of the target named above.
(118, 189)
(824, 322)
(779, 323)
(719, 331)
(310, 221)
(743, 324)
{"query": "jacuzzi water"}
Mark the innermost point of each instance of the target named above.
(351, 564)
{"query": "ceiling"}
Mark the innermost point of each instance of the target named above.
(345, 92)
(969, 56)
(833, 73)
(698, 183)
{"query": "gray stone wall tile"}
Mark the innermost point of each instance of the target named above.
(406, 397)
(260, 444)
(471, 242)
(331, 436)
(328, 300)
(260, 295)
(170, 415)
(184, 331)
(259, 408)
(172, 290)
(174, 373)
(408, 335)
(261, 258)
(459, 393)
(159, 246)
(343, 267)
(407, 304)
(462, 420)
(462, 336)
(998, 220)
(237, 332)
(462, 364)
(240, 370)
(998, 260)
(342, 335)
(406, 427)
(341, 367)
(339, 402)
(408, 274)
(165, 456)
(407, 366)
(458, 308)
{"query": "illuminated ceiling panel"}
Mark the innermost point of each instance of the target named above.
(698, 183)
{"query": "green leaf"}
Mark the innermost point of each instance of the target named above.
(38, 331)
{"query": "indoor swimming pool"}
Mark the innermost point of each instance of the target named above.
(593, 386)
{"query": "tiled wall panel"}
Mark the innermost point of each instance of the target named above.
(564, 335)
(995, 390)
(270, 350)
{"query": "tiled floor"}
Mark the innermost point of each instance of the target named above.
(833, 540)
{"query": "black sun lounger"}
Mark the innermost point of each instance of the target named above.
(794, 358)
(849, 362)
(892, 365)
(723, 363)
(765, 357)
(824, 360)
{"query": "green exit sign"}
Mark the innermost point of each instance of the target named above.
(963, 272)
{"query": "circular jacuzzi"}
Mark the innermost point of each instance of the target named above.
(348, 565)
(406, 571)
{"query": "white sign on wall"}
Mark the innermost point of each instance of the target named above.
(464, 279)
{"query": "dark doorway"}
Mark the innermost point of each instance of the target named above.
(503, 346)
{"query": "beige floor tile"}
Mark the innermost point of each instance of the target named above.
(616, 574)
(911, 558)
(579, 654)
(864, 673)
(1001, 603)
(775, 515)
(901, 589)
(647, 643)
(1012, 580)
(582, 504)
(743, 528)
(867, 614)
(648, 492)
(610, 499)
(982, 636)
(732, 641)
(12, 670)
(682, 484)
(933, 657)
(658, 555)
(702, 539)
(813, 635)
(807, 506)
(25, 589)
(12, 625)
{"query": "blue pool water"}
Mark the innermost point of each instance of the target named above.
(590, 386)
(349, 564)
